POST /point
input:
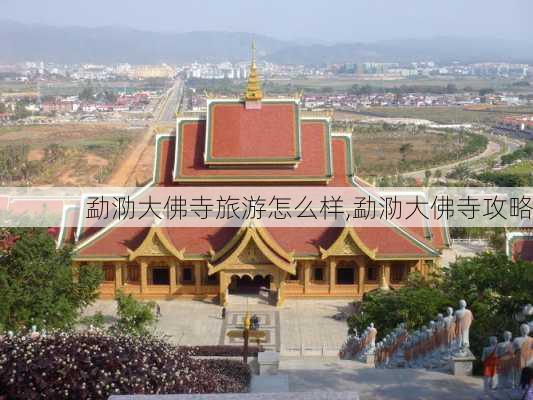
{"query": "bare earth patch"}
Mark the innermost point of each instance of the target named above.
(83, 154)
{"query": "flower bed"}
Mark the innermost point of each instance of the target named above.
(95, 365)
(220, 351)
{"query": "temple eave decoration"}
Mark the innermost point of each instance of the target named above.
(251, 245)
(155, 244)
(348, 243)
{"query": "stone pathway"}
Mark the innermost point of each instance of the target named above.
(308, 326)
(183, 322)
(314, 374)
(269, 383)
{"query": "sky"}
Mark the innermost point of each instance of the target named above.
(313, 20)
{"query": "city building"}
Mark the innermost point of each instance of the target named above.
(151, 71)
(522, 123)
(254, 141)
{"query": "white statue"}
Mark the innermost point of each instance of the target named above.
(449, 326)
(463, 320)
(523, 349)
(441, 333)
(372, 333)
(505, 366)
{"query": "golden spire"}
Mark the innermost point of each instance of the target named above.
(253, 88)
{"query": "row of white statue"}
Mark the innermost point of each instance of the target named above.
(447, 338)
(503, 362)
(427, 347)
(358, 347)
(432, 346)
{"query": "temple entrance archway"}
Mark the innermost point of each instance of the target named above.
(247, 284)
(247, 288)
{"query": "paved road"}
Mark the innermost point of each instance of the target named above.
(169, 106)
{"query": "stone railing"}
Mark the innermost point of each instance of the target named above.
(304, 350)
(503, 362)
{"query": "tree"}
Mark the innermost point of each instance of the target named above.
(13, 158)
(460, 172)
(415, 304)
(134, 317)
(451, 88)
(87, 93)
(2, 108)
(108, 96)
(494, 287)
(37, 285)
(54, 152)
(404, 149)
(437, 174)
(20, 110)
(485, 91)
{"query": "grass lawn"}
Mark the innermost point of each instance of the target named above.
(343, 83)
(521, 168)
(448, 115)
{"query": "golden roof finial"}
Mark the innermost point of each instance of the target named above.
(253, 88)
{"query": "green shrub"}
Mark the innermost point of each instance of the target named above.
(134, 317)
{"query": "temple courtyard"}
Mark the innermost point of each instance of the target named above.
(308, 336)
(299, 327)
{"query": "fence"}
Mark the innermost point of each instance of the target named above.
(304, 350)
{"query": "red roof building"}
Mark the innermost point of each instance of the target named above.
(254, 142)
(519, 244)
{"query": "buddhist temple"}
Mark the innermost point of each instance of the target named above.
(255, 141)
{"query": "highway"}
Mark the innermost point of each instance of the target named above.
(166, 111)
(164, 114)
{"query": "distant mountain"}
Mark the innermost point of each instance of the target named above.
(444, 49)
(19, 42)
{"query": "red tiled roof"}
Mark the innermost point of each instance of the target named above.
(237, 133)
(317, 148)
(303, 241)
(314, 165)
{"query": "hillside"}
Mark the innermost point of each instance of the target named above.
(20, 42)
